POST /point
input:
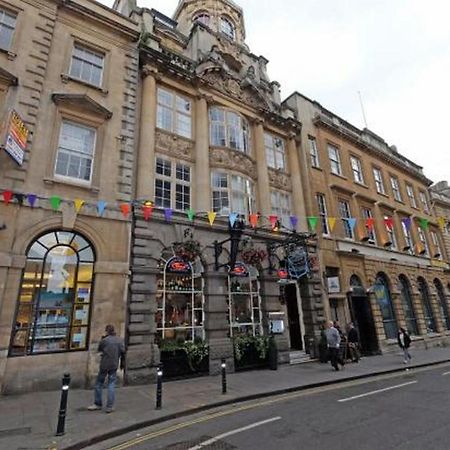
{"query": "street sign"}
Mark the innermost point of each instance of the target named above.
(16, 135)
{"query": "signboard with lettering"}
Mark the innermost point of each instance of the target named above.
(240, 270)
(16, 135)
(178, 265)
(334, 286)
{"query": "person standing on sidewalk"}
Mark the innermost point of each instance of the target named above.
(353, 342)
(333, 341)
(404, 341)
(112, 349)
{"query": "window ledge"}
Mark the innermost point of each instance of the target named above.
(11, 55)
(66, 78)
(317, 168)
(361, 184)
(54, 180)
(339, 176)
(383, 194)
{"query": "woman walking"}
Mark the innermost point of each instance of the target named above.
(404, 341)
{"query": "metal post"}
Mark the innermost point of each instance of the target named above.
(63, 405)
(223, 365)
(159, 374)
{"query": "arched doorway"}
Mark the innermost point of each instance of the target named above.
(361, 314)
(407, 303)
(442, 302)
(384, 299)
(430, 322)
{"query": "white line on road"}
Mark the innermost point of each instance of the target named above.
(377, 391)
(446, 373)
(230, 433)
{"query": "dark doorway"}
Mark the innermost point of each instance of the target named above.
(295, 333)
(363, 320)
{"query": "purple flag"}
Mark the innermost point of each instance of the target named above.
(32, 199)
(407, 222)
(168, 214)
(294, 221)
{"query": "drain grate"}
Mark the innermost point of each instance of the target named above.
(186, 445)
(15, 432)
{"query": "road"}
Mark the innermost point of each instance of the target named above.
(407, 411)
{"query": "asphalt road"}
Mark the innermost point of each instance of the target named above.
(408, 411)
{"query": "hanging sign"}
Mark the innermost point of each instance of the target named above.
(178, 265)
(297, 263)
(240, 270)
(15, 139)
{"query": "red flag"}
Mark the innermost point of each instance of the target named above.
(147, 210)
(7, 196)
(389, 222)
(370, 221)
(253, 220)
(273, 221)
(125, 208)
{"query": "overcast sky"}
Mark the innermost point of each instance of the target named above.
(395, 52)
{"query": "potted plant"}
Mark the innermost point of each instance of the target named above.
(188, 250)
(250, 352)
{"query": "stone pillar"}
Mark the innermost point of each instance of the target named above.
(265, 207)
(420, 316)
(377, 319)
(296, 178)
(439, 320)
(398, 308)
(145, 188)
(202, 197)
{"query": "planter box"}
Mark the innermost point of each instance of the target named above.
(250, 360)
(176, 365)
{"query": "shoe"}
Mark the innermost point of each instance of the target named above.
(405, 361)
(109, 410)
(94, 408)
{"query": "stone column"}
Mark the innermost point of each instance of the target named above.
(202, 196)
(439, 320)
(298, 199)
(398, 308)
(420, 316)
(145, 188)
(263, 186)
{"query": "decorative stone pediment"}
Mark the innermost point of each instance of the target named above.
(225, 158)
(7, 78)
(174, 146)
(82, 102)
(280, 180)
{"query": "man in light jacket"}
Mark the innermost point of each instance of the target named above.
(333, 341)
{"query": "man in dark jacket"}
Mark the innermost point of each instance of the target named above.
(353, 342)
(112, 349)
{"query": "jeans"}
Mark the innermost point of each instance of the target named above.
(101, 377)
(406, 354)
(335, 357)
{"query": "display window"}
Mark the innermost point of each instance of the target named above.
(54, 304)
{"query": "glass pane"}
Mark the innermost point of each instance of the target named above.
(64, 237)
(165, 97)
(86, 255)
(81, 315)
(75, 68)
(37, 251)
(242, 309)
(48, 240)
(178, 311)
(79, 243)
(78, 338)
(50, 339)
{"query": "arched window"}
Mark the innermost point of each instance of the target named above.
(202, 17)
(228, 129)
(426, 302)
(55, 296)
(227, 28)
(407, 303)
(383, 296)
(442, 302)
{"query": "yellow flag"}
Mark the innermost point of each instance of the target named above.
(78, 204)
(442, 222)
(331, 223)
(211, 217)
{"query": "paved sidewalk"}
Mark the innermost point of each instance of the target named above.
(28, 422)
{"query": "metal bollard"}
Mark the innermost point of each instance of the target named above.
(63, 405)
(159, 374)
(223, 365)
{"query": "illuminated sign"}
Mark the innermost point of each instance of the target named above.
(240, 270)
(15, 142)
(178, 265)
(283, 274)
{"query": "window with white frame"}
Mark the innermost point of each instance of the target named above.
(396, 188)
(227, 28)
(232, 193)
(367, 214)
(281, 207)
(313, 151)
(174, 113)
(275, 153)
(228, 129)
(7, 27)
(323, 214)
(172, 184)
(87, 65)
(408, 239)
(423, 241)
(335, 160)
(424, 201)
(379, 183)
(411, 196)
(389, 224)
(437, 245)
(345, 213)
(76, 148)
(357, 169)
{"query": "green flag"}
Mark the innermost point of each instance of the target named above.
(55, 201)
(191, 214)
(313, 221)
(423, 223)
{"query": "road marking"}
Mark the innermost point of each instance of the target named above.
(446, 373)
(230, 433)
(377, 391)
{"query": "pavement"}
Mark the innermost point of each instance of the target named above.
(28, 421)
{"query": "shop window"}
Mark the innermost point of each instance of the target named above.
(384, 299)
(228, 129)
(55, 296)
(244, 301)
(407, 303)
(180, 299)
(275, 153)
(7, 26)
(430, 322)
(87, 65)
(174, 113)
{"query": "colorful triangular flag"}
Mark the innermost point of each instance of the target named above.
(101, 205)
(423, 223)
(273, 221)
(191, 214)
(370, 222)
(168, 212)
(351, 222)
(232, 218)
(31, 198)
(407, 222)
(55, 201)
(294, 221)
(442, 222)
(211, 217)
(253, 218)
(7, 196)
(389, 223)
(312, 222)
(331, 223)
(125, 208)
(78, 203)
(147, 211)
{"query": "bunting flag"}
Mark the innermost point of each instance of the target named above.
(312, 222)
(78, 204)
(55, 201)
(253, 218)
(101, 205)
(442, 222)
(370, 222)
(19, 198)
(331, 223)
(389, 222)
(31, 198)
(168, 212)
(351, 222)
(211, 217)
(7, 196)
(191, 214)
(125, 208)
(294, 222)
(232, 218)
(273, 221)
(407, 222)
(423, 223)
(147, 211)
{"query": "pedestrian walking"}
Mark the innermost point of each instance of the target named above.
(333, 341)
(404, 341)
(112, 349)
(353, 342)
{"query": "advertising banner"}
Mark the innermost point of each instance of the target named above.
(15, 138)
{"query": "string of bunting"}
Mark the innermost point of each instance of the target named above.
(253, 219)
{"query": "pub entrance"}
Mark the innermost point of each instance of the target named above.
(295, 315)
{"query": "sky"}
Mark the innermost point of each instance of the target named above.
(396, 53)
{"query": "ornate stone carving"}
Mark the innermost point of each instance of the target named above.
(232, 160)
(280, 180)
(174, 146)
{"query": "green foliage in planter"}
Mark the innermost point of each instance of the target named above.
(244, 344)
(196, 351)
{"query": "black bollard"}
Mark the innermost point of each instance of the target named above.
(63, 405)
(223, 365)
(159, 374)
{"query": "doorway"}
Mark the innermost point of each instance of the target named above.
(363, 320)
(295, 316)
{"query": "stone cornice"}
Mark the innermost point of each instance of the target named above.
(83, 102)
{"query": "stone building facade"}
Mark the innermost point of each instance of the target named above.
(440, 198)
(381, 247)
(69, 71)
